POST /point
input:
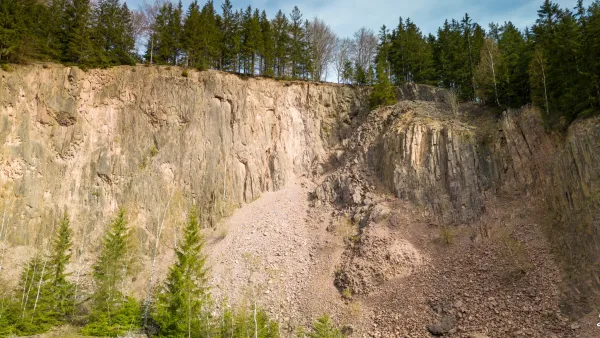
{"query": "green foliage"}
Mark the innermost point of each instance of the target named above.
(383, 92)
(32, 317)
(113, 313)
(7, 317)
(58, 288)
(242, 324)
(113, 32)
(183, 305)
(47, 298)
(323, 327)
(127, 317)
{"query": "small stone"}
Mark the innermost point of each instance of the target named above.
(443, 326)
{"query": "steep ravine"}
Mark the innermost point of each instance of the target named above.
(155, 142)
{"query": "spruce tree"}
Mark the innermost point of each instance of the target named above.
(592, 61)
(113, 313)
(78, 46)
(297, 43)
(268, 46)
(7, 316)
(211, 36)
(383, 91)
(515, 55)
(21, 29)
(182, 308)
(58, 288)
(281, 40)
(192, 37)
(323, 327)
(228, 31)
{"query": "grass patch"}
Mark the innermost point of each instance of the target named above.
(446, 236)
(347, 294)
(6, 67)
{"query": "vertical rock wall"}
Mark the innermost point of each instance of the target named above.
(142, 137)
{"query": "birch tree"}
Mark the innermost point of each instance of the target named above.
(538, 78)
(486, 74)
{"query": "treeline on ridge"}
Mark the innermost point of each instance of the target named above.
(47, 294)
(554, 63)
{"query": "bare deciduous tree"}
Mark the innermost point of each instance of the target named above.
(344, 53)
(321, 40)
(366, 47)
(143, 20)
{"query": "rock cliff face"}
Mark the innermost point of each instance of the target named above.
(451, 166)
(456, 167)
(145, 138)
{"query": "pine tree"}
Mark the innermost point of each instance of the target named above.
(113, 313)
(182, 307)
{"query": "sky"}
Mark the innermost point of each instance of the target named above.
(347, 16)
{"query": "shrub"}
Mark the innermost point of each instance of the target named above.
(321, 328)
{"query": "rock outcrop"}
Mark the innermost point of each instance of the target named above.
(144, 138)
(141, 137)
(455, 167)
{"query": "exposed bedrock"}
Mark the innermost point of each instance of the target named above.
(143, 138)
